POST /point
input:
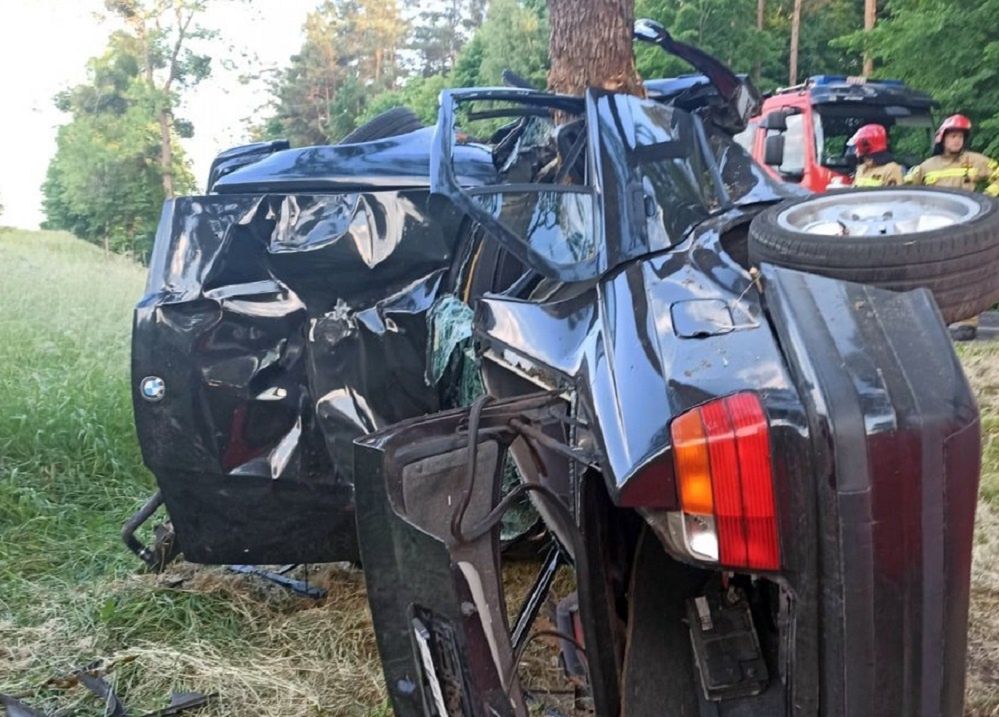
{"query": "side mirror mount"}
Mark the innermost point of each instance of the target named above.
(773, 150)
(650, 31)
(776, 120)
(741, 98)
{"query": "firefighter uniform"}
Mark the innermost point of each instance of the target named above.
(967, 170)
(876, 168)
(878, 175)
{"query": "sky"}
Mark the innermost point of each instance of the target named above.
(44, 48)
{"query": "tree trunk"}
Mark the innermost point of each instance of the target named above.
(870, 15)
(166, 153)
(761, 10)
(162, 114)
(591, 46)
(795, 31)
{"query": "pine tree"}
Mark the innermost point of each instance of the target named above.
(440, 32)
(514, 36)
(591, 46)
(792, 72)
(961, 37)
(349, 55)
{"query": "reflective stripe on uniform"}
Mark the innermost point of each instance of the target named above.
(868, 182)
(934, 176)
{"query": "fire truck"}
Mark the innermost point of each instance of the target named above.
(801, 133)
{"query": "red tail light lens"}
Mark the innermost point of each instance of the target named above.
(752, 437)
(725, 476)
(725, 484)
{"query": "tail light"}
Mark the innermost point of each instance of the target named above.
(721, 453)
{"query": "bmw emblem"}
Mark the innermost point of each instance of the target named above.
(152, 388)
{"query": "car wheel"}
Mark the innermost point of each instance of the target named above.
(390, 123)
(898, 238)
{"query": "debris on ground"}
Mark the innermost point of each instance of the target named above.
(92, 678)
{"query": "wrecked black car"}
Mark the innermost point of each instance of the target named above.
(555, 320)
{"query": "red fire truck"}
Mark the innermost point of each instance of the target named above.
(801, 133)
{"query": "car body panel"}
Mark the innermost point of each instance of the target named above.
(289, 316)
(398, 162)
(869, 464)
(618, 346)
(259, 316)
(894, 420)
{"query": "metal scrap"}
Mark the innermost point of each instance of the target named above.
(181, 701)
(15, 708)
(300, 587)
(91, 677)
(113, 706)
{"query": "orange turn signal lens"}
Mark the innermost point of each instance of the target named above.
(693, 468)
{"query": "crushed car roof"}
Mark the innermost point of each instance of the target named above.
(394, 163)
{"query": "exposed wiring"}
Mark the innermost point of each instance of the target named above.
(544, 439)
(559, 509)
(519, 654)
(458, 516)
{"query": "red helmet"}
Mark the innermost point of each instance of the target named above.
(954, 122)
(869, 139)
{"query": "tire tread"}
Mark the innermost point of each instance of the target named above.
(959, 264)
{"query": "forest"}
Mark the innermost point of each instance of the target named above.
(121, 153)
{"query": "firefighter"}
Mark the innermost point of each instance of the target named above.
(954, 165)
(877, 168)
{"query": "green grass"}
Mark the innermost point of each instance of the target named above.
(71, 473)
(70, 468)
(981, 364)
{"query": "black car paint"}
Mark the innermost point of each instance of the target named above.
(876, 485)
(264, 287)
(625, 132)
(401, 162)
(895, 432)
(277, 284)
(236, 157)
(263, 314)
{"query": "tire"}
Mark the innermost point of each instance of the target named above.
(390, 123)
(958, 263)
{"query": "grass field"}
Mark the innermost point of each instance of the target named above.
(70, 473)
